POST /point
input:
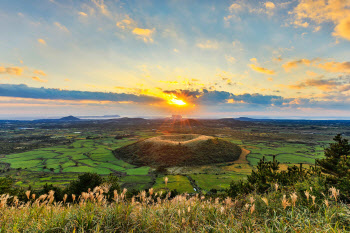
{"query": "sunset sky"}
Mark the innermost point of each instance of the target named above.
(224, 58)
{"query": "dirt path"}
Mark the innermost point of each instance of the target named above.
(194, 185)
(243, 157)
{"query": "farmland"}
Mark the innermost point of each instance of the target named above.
(83, 155)
(70, 149)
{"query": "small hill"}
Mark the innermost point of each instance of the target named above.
(69, 118)
(63, 119)
(179, 150)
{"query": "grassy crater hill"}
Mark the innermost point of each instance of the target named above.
(179, 150)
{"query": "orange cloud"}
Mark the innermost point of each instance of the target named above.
(42, 41)
(82, 14)
(11, 70)
(294, 102)
(101, 6)
(294, 64)
(337, 67)
(311, 73)
(170, 82)
(40, 72)
(130, 25)
(61, 27)
(35, 78)
(262, 69)
(278, 59)
(230, 59)
(232, 101)
(126, 23)
(322, 11)
(144, 33)
(299, 23)
(253, 60)
(269, 5)
(247, 6)
(324, 85)
(343, 28)
(208, 44)
(235, 7)
(345, 88)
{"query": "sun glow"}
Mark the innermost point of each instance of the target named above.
(176, 101)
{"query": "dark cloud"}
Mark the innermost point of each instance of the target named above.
(185, 93)
(261, 99)
(340, 83)
(23, 91)
(207, 97)
(200, 97)
(214, 97)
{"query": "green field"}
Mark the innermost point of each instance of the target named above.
(137, 182)
(178, 182)
(285, 152)
(60, 164)
(84, 155)
(216, 181)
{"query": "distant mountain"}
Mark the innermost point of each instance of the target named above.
(99, 117)
(69, 118)
(111, 116)
(245, 119)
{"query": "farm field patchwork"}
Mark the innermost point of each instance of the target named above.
(285, 152)
(83, 150)
(61, 164)
(84, 155)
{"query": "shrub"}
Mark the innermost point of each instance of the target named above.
(84, 182)
(336, 165)
(267, 174)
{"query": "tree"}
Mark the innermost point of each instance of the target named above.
(337, 162)
(113, 182)
(84, 182)
(266, 174)
(7, 187)
(48, 187)
(336, 165)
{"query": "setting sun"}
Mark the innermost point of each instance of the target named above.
(176, 101)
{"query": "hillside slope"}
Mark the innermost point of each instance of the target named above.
(179, 150)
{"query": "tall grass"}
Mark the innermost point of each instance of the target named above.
(157, 212)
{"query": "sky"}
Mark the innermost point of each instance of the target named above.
(197, 58)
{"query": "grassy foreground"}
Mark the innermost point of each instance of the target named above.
(157, 212)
